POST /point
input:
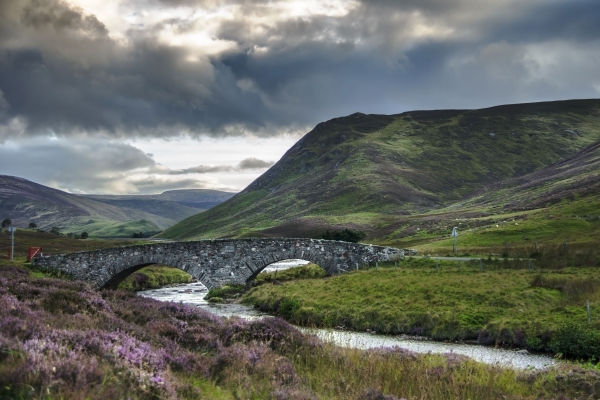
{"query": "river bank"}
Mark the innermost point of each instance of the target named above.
(62, 339)
(193, 294)
(539, 311)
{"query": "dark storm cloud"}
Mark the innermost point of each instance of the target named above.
(61, 71)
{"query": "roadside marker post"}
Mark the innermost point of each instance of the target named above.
(480, 265)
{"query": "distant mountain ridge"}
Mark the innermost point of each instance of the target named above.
(363, 171)
(173, 204)
(24, 201)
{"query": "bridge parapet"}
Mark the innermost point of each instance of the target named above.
(215, 262)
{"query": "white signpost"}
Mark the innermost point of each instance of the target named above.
(455, 235)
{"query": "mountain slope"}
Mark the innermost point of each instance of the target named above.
(24, 201)
(173, 204)
(362, 169)
(573, 177)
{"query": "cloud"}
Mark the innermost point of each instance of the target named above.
(246, 164)
(89, 166)
(254, 163)
(223, 68)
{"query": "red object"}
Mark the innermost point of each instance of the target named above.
(32, 252)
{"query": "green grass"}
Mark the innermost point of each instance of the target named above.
(154, 276)
(503, 304)
(54, 244)
(308, 271)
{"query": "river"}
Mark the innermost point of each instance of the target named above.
(194, 293)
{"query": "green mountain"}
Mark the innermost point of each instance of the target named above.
(24, 201)
(379, 172)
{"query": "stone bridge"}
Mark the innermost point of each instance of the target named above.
(215, 262)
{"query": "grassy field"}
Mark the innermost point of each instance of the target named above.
(505, 304)
(112, 229)
(62, 340)
(52, 244)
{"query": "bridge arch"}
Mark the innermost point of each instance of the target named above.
(215, 262)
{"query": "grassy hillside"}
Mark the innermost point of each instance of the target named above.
(102, 216)
(382, 173)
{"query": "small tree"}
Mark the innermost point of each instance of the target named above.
(84, 235)
(55, 230)
(6, 223)
(32, 225)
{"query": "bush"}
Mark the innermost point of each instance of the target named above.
(288, 307)
(579, 341)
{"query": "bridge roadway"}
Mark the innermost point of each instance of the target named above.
(215, 262)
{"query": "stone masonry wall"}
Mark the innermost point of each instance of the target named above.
(215, 262)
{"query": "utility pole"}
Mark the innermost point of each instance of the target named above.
(455, 235)
(12, 242)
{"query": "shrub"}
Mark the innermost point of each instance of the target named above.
(288, 307)
(579, 341)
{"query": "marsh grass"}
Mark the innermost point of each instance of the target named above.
(494, 302)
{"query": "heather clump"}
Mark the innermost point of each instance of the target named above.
(64, 340)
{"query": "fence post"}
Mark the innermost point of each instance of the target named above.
(589, 314)
(357, 266)
(376, 264)
(396, 264)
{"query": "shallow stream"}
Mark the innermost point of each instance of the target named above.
(194, 293)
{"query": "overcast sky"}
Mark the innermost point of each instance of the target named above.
(142, 96)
